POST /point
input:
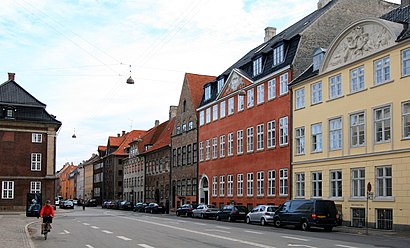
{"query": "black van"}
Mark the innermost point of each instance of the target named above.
(307, 213)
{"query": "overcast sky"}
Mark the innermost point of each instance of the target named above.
(75, 56)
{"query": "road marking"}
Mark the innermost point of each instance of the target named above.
(346, 246)
(95, 227)
(200, 224)
(146, 246)
(124, 238)
(288, 237)
(86, 224)
(66, 232)
(89, 246)
(214, 230)
(296, 245)
(223, 227)
(253, 232)
(105, 231)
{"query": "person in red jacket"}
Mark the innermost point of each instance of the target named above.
(47, 213)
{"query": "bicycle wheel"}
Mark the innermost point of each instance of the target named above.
(45, 235)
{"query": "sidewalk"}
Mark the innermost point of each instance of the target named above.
(13, 230)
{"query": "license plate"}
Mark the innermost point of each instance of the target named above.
(321, 216)
(241, 212)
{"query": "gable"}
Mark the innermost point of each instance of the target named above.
(13, 94)
(236, 81)
(361, 39)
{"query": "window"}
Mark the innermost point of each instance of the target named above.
(384, 181)
(230, 185)
(179, 156)
(208, 115)
(215, 112)
(358, 217)
(239, 143)
(221, 185)
(358, 182)
(36, 138)
(357, 130)
(222, 109)
(335, 86)
(9, 113)
(271, 183)
(214, 186)
(257, 66)
(201, 151)
(357, 79)
(207, 92)
(189, 154)
(201, 118)
(36, 161)
(317, 137)
(184, 106)
(300, 184)
(316, 93)
(231, 106)
(335, 134)
(271, 134)
(405, 62)
(382, 124)
(222, 146)
(316, 184)
(194, 153)
(230, 144)
(283, 182)
(184, 127)
(406, 120)
(249, 139)
(184, 155)
(241, 102)
(384, 219)
(208, 150)
(220, 84)
(239, 191)
(336, 183)
(183, 188)
(174, 157)
(249, 184)
(178, 129)
(283, 131)
(300, 140)
(259, 137)
(260, 97)
(260, 182)
(188, 187)
(382, 70)
(283, 84)
(190, 125)
(194, 186)
(250, 98)
(278, 55)
(7, 190)
(271, 89)
(215, 148)
(300, 98)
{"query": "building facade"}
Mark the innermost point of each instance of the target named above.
(63, 176)
(351, 119)
(27, 147)
(98, 175)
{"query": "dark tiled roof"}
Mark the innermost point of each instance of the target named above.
(308, 73)
(400, 15)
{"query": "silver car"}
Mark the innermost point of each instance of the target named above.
(205, 211)
(262, 214)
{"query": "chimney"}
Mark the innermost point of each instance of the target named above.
(156, 123)
(404, 3)
(123, 133)
(269, 33)
(118, 135)
(11, 76)
(172, 111)
(322, 3)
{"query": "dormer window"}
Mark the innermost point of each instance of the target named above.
(221, 82)
(278, 55)
(9, 113)
(207, 92)
(257, 66)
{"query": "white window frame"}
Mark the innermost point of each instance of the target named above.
(201, 151)
(231, 106)
(250, 98)
(271, 134)
(214, 186)
(36, 161)
(215, 112)
(222, 186)
(36, 138)
(317, 137)
(249, 184)
(382, 70)
(317, 184)
(260, 137)
(300, 98)
(239, 142)
(278, 55)
(207, 92)
(335, 86)
(222, 146)
(271, 183)
(272, 89)
(405, 62)
(230, 189)
(249, 139)
(257, 66)
(300, 140)
(336, 183)
(405, 116)
(300, 185)
(384, 181)
(241, 103)
(221, 83)
(358, 179)
(215, 148)
(208, 150)
(35, 187)
(357, 79)
(208, 115)
(260, 94)
(335, 134)
(230, 144)
(222, 109)
(357, 129)
(283, 182)
(316, 93)
(239, 183)
(260, 183)
(202, 118)
(284, 80)
(384, 122)
(7, 190)
(283, 131)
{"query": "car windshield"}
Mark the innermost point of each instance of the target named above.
(241, 208)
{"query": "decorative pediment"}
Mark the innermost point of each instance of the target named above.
(360, 40)
(236, 81)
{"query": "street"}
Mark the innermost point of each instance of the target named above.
(96, 227)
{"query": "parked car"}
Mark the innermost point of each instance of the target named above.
(185, 210)
(262, 214)
(232, 213)
(154, 208)
(126, 205)
(67, 204)
(139, 207)
(307, 213)
(205, 211)
(75, 201)
(105, 204)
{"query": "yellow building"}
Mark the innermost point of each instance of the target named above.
(351, 124)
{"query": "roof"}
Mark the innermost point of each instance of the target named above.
(196, 84)
(308, 73)
(164, 138)
(400, 15)
(102, 148)
(128, 137)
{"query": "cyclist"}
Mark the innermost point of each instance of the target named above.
(47, 213)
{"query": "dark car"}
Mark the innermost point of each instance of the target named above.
(126, 205)
(139, 207)
(205, 211)
(91, 203)
(105, 204)
(307, 213)
(154, 208)
(232, 213)
(185, 210)
(67, 204)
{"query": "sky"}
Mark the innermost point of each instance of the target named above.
(76, 55)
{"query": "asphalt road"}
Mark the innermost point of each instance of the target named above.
(98, 228)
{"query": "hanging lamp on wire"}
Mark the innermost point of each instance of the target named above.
(74, 136)
(130, 80)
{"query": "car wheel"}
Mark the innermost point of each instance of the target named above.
(248, 220)
(218, 218)
(263, 222)
(305, 226)
(177, 213)
(277, 222)
(328, 228)
(230, 219)
(152, 211)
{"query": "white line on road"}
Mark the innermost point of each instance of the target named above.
(223, 227)
(86, 224)
(105, 231)
(95, 227)
(66, 232)
(124, 238)
(146, 246)
(346, 246)
(253, 232)
(200, 224)
(214, 230)
(89, 246)
(297, 245)
(288, 237)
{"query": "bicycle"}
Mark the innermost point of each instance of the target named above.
(46, 228)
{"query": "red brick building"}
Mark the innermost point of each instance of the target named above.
(27, 147)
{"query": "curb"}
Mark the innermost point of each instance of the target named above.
(30, 242)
